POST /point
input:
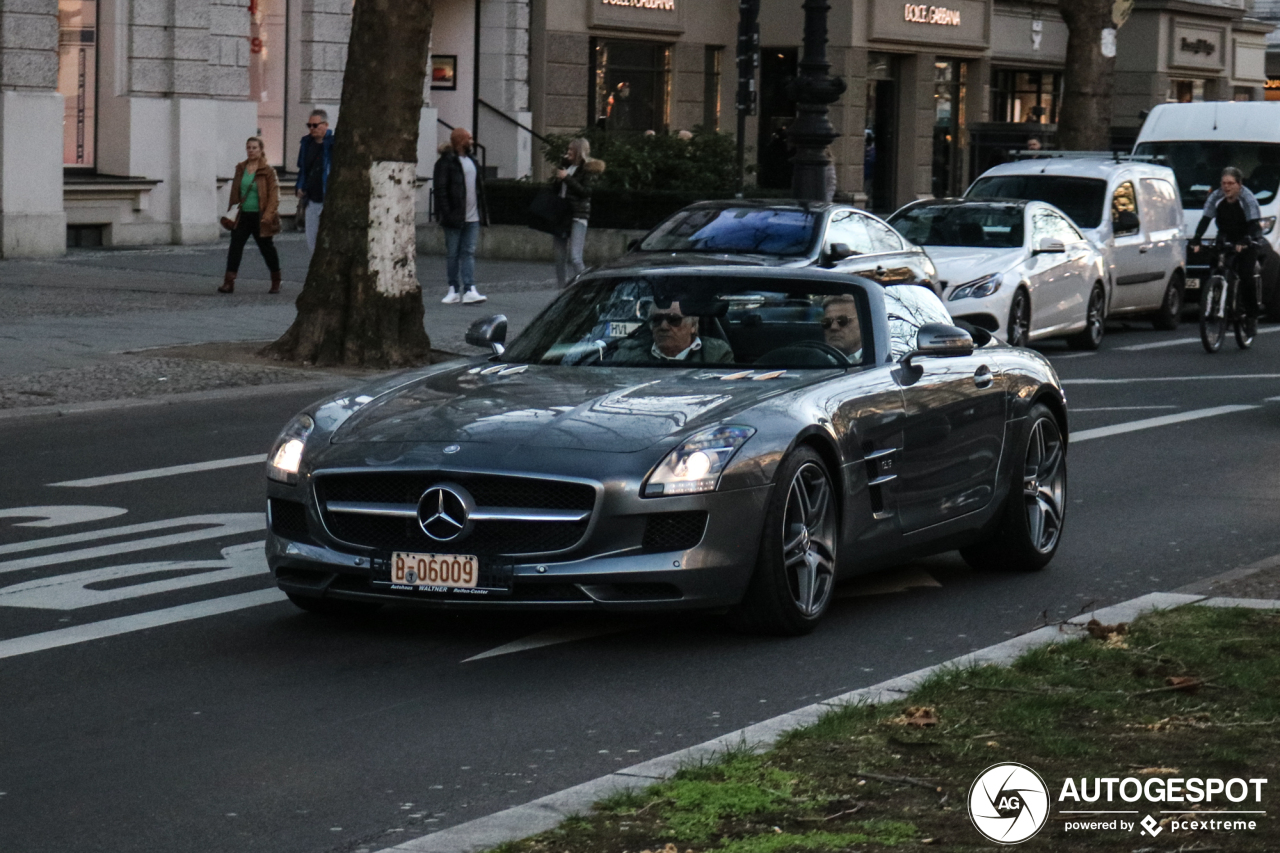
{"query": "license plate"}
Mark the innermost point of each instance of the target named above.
(436, 571)
(621, 330)
(1193, 284)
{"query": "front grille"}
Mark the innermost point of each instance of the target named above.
(673, 531)
(289, 520)
(487, 538)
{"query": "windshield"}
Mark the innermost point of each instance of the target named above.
(1082, 199)
(992, 226)
(688, 321)
(738, 230)
(1198, 167)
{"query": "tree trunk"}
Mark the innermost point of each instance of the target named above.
(361, 304)
(1084, 122)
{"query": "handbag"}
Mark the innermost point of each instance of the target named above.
(549, 213)
(228, 223)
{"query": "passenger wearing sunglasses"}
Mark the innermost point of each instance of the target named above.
(840, 326)
(315, 152)
(673, 336)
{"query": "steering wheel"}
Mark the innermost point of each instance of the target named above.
(833, 356)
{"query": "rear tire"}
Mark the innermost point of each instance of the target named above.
(333, 606)
(1019, 320)
(1030, 526)
(1213, 323)
(1246, 330)
(794, 578)
(1170, 314)
(1090, 337)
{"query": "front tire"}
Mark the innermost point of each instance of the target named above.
(1019, 320)
(1090, 337)
(1170, 313)
(1030, 526)
(1213, 320)
(795, 573)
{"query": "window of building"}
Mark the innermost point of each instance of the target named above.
(711, 88)
(949, 131)
(267, 79)
(632, 91)
(1025, 96)
(1185, 91)
(78, 80)
(1242, 93)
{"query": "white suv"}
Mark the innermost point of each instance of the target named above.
(1128, 208)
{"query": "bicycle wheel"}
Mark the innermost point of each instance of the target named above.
(1213, 321)
(1246, 329)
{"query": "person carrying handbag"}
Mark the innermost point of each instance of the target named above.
(255, 192)
(573, 182)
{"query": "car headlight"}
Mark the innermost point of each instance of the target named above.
(1268, 224)
(978, 288)
(286, 454)
(695, 466)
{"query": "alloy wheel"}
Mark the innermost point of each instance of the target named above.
(809, 537)
(1094, 320)
(1019, 320)
(1044, 486)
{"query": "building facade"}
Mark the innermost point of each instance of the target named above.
(122, 120)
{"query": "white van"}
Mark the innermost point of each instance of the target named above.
(1128, 208)
(1198, 141)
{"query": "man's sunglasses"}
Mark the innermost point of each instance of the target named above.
(672, 320)
(313, 126)
(842, 321)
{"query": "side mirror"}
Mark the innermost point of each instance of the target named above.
(1050, 246)
(489, 332)
(1126, 221)
(838, 252)
(938, 340)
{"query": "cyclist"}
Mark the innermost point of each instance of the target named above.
(1235, 210)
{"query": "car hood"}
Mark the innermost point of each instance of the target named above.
(700, 259)
(586, 408)
(962, 264)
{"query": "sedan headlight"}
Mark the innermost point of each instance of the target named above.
(978, 288)
(695, 466)
(286, 454)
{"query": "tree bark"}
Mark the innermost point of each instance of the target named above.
(361, 304)
(1084, 122)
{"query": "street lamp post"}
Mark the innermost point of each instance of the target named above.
(813, 91)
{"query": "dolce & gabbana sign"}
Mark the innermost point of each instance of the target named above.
(666, 16)
(962, 23)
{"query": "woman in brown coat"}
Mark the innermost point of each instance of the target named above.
(256, 193)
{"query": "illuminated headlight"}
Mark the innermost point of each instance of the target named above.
(695, 466)
(286, 454)
(977, 288)
(1268, 224)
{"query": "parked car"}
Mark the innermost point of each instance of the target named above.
(1128, 208)
(1019, 269)
(789, 234)
(819, 425)
(1198, 141)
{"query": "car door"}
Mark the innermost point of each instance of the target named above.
(1163, 225)
(1054, 278)
(882, 255)
(1137, 268)
(953, 430)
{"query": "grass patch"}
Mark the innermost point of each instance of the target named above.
(864, 778)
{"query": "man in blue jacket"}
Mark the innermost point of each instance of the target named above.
(315, 154)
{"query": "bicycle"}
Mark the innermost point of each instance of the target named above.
(1220, 303)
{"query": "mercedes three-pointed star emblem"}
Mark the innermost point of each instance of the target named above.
(444, 512)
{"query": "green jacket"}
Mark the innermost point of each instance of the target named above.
(640, 351)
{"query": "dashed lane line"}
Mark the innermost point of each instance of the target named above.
(1075, 409)
(1148, 423)
(1180, 342)
(172, 470)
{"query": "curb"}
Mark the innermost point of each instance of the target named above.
(547, 812)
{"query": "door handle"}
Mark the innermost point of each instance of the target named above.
(982, 377)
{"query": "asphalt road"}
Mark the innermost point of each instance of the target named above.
(266, 729)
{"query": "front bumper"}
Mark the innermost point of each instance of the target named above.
(610, 570)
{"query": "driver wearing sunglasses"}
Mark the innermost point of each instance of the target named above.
(674, 338)
(840, 326)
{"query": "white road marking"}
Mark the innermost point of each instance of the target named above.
(217, 525)
(71, 592)
(1061, 357)
(551, 637)
(172, 470)
(1181, 341)
(1148, 423)
(887, 585)
(1272, 400)
(1132, 379)
(57, 516)
(139, 622)
(1117, 408)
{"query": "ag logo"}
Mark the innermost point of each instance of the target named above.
(1008, 803)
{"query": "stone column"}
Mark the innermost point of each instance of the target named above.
(504, 86)
(32, 220)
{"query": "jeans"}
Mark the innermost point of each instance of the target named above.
(461, 266)
(313, 223)
(569, 252)
(247, 227)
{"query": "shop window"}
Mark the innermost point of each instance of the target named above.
(880, 134)
(1186, 91)
(632, 85)
(78, 80)
(949, 128)
(711, 88)
(778, 67)
(1242, 93)
(1025, 96)
(267, 73)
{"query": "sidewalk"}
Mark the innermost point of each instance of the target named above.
(67, 326)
